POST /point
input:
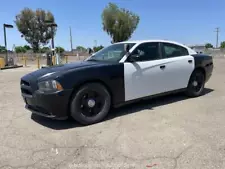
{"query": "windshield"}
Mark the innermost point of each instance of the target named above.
(112, 53)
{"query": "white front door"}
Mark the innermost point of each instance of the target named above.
(151, 74)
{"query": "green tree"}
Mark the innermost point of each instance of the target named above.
(27, 47)
(222, 44)
(20, 49)
(33, 26)
(81, 48)
(2, 49)
(208, 45)
(44, 49)
(97, 48)
(59, 49)
(119, 23)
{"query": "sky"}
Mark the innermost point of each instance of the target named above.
(188, 22)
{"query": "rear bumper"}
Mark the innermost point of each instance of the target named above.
(209, 71)
(53, 106)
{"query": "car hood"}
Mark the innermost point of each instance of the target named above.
(58, 69)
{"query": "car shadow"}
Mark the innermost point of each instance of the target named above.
(149, 104)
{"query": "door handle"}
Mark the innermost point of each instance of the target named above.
(189, 61)
(162, 67)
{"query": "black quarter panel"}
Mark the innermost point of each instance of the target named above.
(205, 62)
(110, 74)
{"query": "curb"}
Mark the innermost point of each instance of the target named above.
(11, 67)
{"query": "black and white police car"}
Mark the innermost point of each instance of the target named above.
(118, 74)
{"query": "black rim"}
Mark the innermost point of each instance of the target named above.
(197, 82)
(91, 103)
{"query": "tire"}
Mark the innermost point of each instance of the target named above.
(90, 104)
(196, 84)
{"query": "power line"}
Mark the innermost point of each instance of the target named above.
(217, 36)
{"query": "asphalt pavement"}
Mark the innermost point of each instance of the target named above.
(172, 132)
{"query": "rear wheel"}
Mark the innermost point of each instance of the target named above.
(90, 104)
(196, 84)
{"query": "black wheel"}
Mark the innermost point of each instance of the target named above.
(90, 104)
(196, 84)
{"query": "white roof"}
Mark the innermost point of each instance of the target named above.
(141, 41)
(151, 40)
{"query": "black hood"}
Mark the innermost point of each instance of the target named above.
(56, 70)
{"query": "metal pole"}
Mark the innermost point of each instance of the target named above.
(53, 48)
(71, 41)
(6, 54)
(217, 37)
(53, 52)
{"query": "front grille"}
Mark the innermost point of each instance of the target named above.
(23, 82)
(25, 88)
(25, 91)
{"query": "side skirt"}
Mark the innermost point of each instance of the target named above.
(150, 97)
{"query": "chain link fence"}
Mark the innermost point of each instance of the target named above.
(35, 59)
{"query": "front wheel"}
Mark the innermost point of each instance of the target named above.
(90, 104)
(196, 84)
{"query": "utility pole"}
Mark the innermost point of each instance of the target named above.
(217, 36)
(71, 41)
(6, 54)
(6, 57)
(52, 26)
(53, 45)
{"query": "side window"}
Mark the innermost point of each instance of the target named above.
(146, 52)
(172, 50)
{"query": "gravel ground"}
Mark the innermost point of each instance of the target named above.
(165, 133)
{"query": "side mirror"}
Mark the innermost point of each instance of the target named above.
(135, 56)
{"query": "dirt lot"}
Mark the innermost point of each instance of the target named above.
(165, 133)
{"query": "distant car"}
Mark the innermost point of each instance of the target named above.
(118, 74)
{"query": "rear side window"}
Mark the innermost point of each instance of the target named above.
(172, 50)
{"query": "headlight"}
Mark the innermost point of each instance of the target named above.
(49, 86)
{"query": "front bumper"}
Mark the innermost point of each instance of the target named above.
(43, 114)
(53, 105)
